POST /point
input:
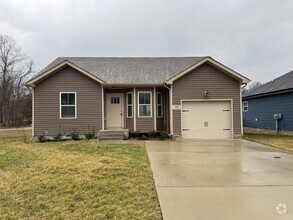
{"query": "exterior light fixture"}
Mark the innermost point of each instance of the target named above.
(206, 93)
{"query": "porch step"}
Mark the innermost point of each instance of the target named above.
(121, 134)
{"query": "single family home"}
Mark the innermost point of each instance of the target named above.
(190, 97)
(274, 99)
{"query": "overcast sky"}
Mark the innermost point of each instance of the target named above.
(253, 37)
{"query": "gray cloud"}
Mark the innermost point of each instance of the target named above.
(254, 38)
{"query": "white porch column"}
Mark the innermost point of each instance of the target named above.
(134, 109)
(155, 109)
(33, 112)
(103, 110)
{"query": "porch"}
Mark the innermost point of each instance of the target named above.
(140, 109)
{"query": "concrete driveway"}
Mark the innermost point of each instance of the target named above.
(233, 179)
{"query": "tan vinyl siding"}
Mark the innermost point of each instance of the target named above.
(47, 109)
(145, 124)
(220, 86)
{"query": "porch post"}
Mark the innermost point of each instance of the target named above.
(155, 109)
(103, 109)
(134, 109)
(33, 112)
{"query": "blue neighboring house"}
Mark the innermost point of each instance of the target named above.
(274, 97)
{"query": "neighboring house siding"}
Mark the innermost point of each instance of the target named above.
(193, 86)
(264, 108)
(47, 109)
(145, 124)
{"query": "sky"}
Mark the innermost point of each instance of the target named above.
(253, 37)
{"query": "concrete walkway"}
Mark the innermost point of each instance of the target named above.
(234, 179)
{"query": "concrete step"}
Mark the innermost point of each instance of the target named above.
(121, 134)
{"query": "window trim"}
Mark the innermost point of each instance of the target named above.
(127, 105)
(60, 105)
(245, 105)
(162, 111)
(138, 104)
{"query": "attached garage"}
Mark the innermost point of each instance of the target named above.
(207, 119)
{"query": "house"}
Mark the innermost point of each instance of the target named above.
(262, 103)
(190, 97)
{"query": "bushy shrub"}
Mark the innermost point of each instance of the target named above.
(89, 135)
(57, 137)
(135, 134)
(152, 134)
(164, 135)
(74, 135)
(42, 138)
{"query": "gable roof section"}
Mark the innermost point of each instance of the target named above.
(128, 70)
(54, 68)
(284, 82)
(214, 63)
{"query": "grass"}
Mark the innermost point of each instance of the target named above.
(282, 142)
(75, 180)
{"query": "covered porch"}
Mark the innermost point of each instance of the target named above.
(140, 108)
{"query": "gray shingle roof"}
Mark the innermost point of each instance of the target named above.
(283, 82)
(130, 70)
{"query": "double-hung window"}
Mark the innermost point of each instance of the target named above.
(129, 105)
(159, 105)
(245, 106)
(67, 105)
(144, 104)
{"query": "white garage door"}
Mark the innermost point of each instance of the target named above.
(206, 119)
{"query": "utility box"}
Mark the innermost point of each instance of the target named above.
(277, 116)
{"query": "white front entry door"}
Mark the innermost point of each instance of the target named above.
(114, 110)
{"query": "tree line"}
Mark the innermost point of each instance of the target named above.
(15, 98)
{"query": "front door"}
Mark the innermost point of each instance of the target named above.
(114, 111)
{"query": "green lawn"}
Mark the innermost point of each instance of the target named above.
(282, 142)
(75, 180)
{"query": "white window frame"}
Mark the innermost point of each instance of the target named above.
(151, 100)
(245, 105)
(60, 105)
(162, 111)
(127, 105)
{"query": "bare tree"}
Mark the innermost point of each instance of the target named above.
(14, 69)
(252, 86)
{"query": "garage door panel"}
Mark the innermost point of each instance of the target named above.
(206, 119)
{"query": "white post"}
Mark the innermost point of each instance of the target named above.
(103, 109)
(33, 112)
(134, 109)
(155, 109)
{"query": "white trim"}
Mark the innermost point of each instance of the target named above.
(171, 109)
(209, 100)
(33, 112)
(155, 109)
(241, 113)
(243, 106)
(162, 110)
(127, 105)
(214, 62)
(103, 109)
(55, 68)
(150, 92)
(134, 109)
(60, 105)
